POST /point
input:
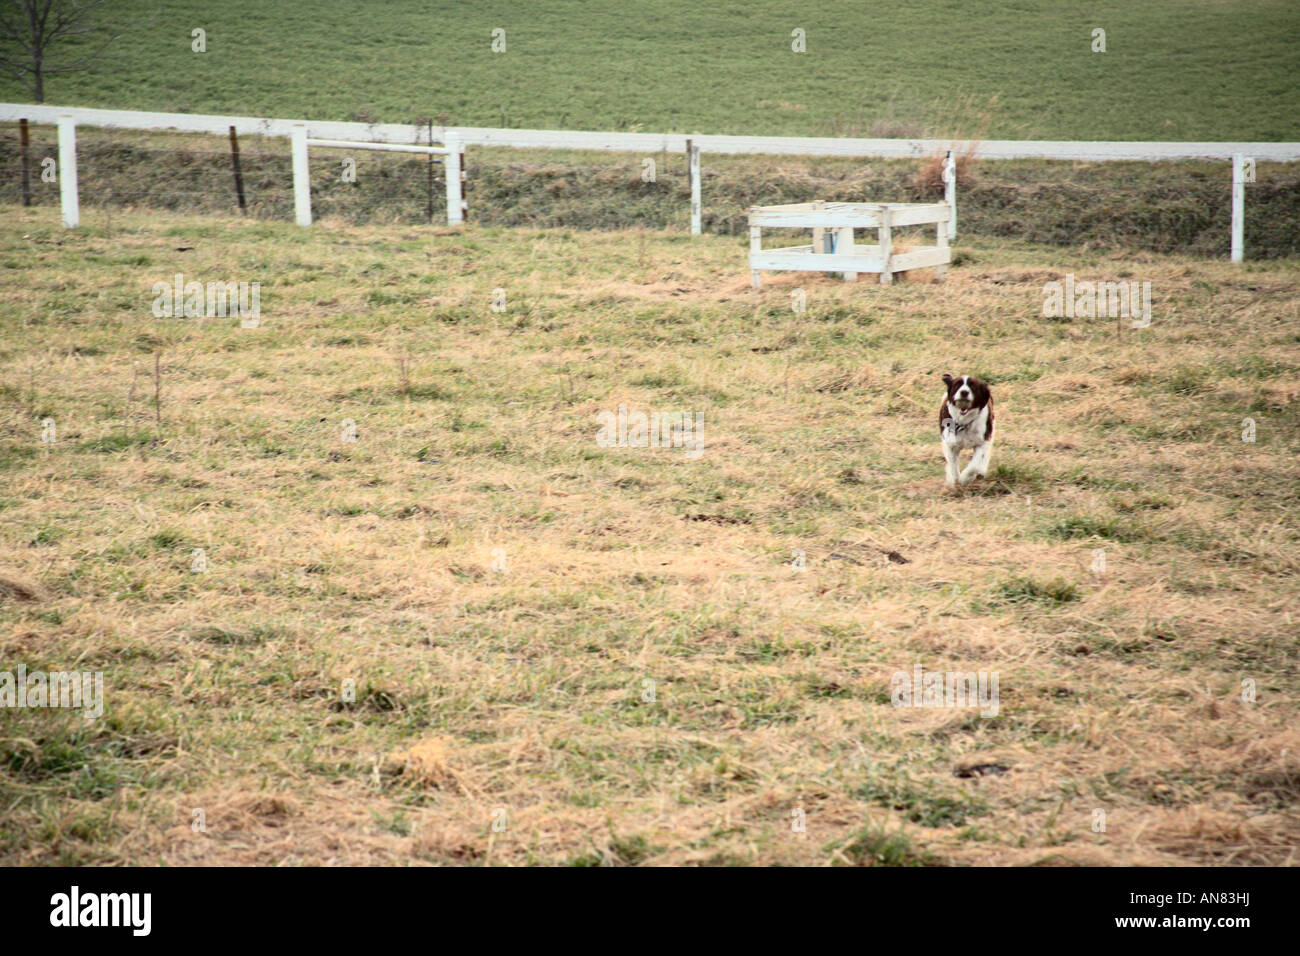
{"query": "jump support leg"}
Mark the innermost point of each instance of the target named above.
(886, 247)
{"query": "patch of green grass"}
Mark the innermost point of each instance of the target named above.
(89, 760)
(92, 825)
(875, 846)
(622, 851)
(230, 637)
(1188, 381)
(922, 804)
(1020, 590)
(48, 534)
(1014, 478)
(167, 539)
(14, 454)
(116, 442)
(398, 823)
(1123, 530)
(767, 651)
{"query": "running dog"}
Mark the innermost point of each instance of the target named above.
(966, 421)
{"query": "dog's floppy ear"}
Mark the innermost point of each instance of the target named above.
(947, 379)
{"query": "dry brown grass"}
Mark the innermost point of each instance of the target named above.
(963, 124)
(20, 589)
(928, 180)
(521, 689)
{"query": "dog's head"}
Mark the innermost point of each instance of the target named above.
(966, 392)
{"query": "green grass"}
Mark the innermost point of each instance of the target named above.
(876, 845)
(921, 804)
(1085, 527)
(1173, 70)
(1020, 590)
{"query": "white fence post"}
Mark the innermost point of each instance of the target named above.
(68, 172)
(950, 192)
(452, 167)
(694, 163)
(1243, 171)
(301, 176)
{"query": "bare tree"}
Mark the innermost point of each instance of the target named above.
(29, 29)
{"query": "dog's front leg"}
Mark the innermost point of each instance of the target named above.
(979, 462)
(950, 458)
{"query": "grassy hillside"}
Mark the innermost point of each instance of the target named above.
(500, 588)
(1174, 69)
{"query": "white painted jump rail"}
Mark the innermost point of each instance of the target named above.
(833, 248)
(399, 133)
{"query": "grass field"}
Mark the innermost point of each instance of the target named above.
(499, 588)
(1172, 70)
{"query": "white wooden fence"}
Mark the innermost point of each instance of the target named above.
(690, 144)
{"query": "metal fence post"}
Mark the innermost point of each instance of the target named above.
(24, 141)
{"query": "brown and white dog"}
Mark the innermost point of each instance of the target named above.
(966, 421)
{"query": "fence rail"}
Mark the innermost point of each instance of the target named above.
(655, 142)
(407, 137)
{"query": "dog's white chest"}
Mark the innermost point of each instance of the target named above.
(966, 430)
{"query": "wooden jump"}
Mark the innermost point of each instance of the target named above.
(832, 225)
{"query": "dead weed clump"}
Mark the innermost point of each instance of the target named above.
(426, 765)
(963, 125)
